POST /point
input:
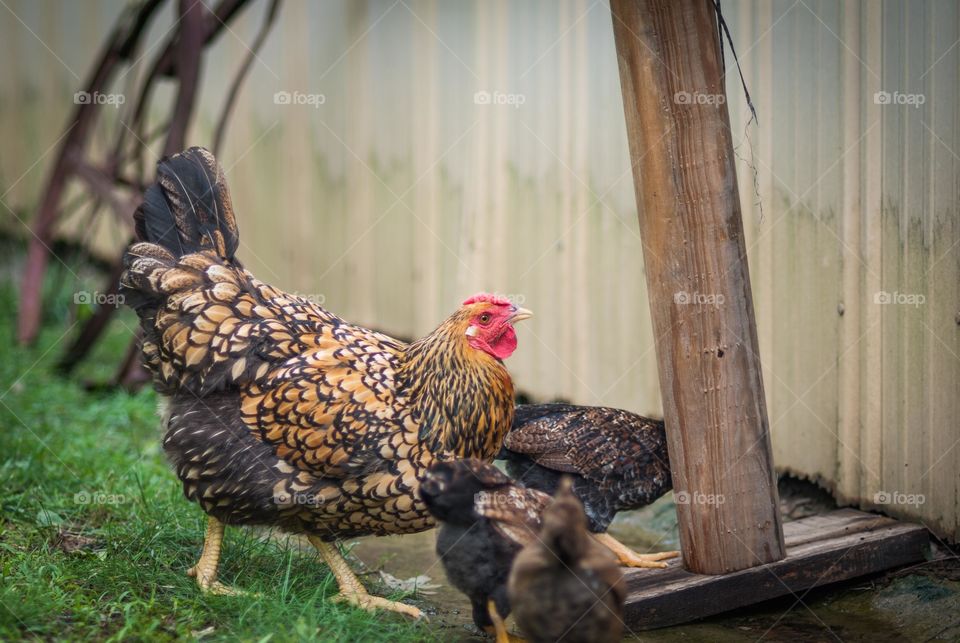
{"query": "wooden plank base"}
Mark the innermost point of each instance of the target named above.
(821, 550)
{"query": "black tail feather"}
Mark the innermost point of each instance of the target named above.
(188, 209)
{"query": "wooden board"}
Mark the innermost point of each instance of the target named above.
(698, 282)
(837, 546)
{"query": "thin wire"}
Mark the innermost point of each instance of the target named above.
(725, 31)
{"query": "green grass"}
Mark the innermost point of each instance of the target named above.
(95, 535)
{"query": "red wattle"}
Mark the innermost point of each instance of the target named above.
(504, 345)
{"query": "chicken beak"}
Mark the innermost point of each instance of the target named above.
(519, 315)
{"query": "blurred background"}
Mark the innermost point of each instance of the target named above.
(389, 158)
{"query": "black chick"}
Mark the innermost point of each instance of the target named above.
(564, 585)
(617, 459)
(485, 519)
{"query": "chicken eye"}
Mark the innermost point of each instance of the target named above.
(485, 318)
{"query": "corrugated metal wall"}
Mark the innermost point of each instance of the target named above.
(856, 262)
(400, 194)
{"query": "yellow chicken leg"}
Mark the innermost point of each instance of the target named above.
(499, 627)
(630, 558)
(351, 590)
(205, 571)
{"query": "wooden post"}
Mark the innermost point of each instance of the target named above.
(695, 261)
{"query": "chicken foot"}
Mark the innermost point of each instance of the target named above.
(499, 627)
(205, 571)
(351, 589)
(630, 558)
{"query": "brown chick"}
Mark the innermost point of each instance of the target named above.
(565, 585)
(485, 519)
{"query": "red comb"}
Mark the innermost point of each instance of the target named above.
(488, 298)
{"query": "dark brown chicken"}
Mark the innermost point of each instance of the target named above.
(281, 413)
(485, 519)
(564, 585)
(618, 461)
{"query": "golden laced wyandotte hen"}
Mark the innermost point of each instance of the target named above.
(618, 461)
(564, 585)
(485, 519)
(280, 413)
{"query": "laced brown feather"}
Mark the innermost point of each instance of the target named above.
(281, 412)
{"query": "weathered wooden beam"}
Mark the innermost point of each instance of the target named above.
(821, 550)
(671, 75)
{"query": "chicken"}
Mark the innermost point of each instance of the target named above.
(280, 413)
(485, 519)
(564, 586)
(617, 459)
